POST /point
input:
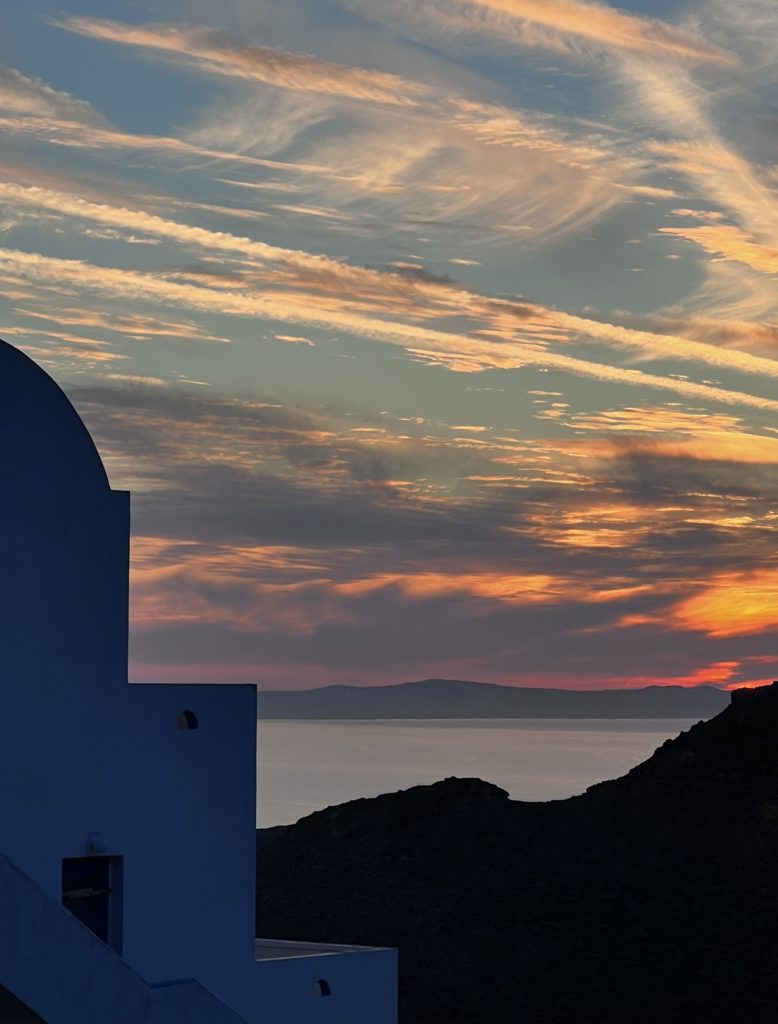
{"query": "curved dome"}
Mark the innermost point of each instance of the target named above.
(45, 449)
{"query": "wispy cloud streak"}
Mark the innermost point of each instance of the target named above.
(607, 26)
(565, 26)
(210, 50)
(26, 95)
(455, 351)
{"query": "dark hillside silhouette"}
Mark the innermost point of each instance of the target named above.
(651, 899)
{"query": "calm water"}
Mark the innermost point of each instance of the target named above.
(304, 766)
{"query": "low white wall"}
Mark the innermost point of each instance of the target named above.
(363, 988)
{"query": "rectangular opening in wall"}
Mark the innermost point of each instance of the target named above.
(92, 890)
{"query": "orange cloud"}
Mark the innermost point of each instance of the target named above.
(554, 23)
(290, 588)
(714, 674)
(614, 525)
(731, 243)
(726, 178)
(676, 433)
(43, 344)
(731, 604)
(744, 448)
(501, 126)
(714, 330)
(133, 325)
(511, 589)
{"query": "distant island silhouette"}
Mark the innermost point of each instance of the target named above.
(457, 698)
(651, 899)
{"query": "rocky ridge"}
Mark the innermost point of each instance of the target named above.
(649, 899)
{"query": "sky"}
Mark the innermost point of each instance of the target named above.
(432, 337)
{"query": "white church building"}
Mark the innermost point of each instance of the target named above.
(127, 812)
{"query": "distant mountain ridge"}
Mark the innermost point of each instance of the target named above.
(458, 698)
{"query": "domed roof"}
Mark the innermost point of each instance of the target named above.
(46, 452)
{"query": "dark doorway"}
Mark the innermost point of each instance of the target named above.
(92, 890)
(14, 1011)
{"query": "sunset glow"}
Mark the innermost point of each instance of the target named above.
(432, 338)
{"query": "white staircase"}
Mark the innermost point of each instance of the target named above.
(63, 972)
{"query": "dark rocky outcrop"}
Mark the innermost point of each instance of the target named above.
(651, 899)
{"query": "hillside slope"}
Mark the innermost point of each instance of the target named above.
(652, 898)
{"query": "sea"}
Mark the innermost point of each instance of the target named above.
(304, 766)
